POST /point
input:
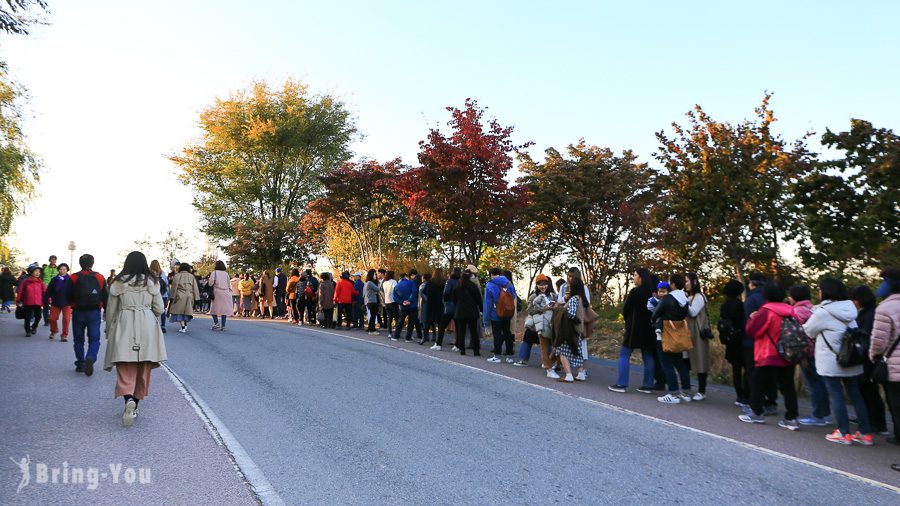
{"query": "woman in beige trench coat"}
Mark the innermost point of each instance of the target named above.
(135, 344)
(183, 291)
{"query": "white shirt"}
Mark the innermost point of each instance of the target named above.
(562, 294)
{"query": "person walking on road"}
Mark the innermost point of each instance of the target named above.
(184, 291)
(31, 297)
(7, 289)
(220, 291)
(88, 296)
(135, 344)
(829, 323)
(49, 271)
(467, 303)
(57, 298)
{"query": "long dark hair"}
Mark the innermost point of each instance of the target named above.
(136, 270)
(388, 275)
(438, 277)
(466, 279)
(644, 274)
(220, 265)
(695, 283)
(576, 289)
(370, 276)
(457, 272)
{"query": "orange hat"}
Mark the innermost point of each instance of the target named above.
(541, 277)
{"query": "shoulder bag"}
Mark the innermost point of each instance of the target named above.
(880, 372)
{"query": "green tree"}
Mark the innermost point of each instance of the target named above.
(19, 167)
(725, 192)
(259, 161)
(850, 206)
(597, 202)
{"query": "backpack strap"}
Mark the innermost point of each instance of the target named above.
(893, 347)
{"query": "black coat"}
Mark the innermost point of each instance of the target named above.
(733, 310)
(638, 332)
(7, 282)
(670, 309)
(434, 306)
(467, 298)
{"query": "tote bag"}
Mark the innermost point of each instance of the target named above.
(676, 337)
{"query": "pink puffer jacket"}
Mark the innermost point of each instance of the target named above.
(885, 331)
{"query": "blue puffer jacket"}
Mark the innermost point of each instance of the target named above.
(406, 289)
(491, 294)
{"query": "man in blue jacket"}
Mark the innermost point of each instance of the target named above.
(357, 301)
(406, 293)
(500, 327)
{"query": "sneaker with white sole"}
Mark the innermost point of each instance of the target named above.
(863, 439)
(698, 397)
(813, 421)
(216, 327)
(520, 363)
(645, 390)
(789, 424)
(494, 360)
(182, 330)
(752, 418)
(582, 376)
(669, 399)
(455, 348)
(129, 413)
(373, 333)
(436, 347)
(684, 397)
(619, 389)
(509, 360)
(552, 374)
(837, 437)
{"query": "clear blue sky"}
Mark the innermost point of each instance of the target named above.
(118, 85)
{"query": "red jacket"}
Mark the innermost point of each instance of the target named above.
(765, 329)
(31, 293)
(344, 292)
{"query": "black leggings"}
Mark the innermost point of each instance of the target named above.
(442, 327)
(472, 325)
(701, 382)
(295, 311)
(392, 311)
(373, 315)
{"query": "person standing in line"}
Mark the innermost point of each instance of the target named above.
(540, 322)
(359, 313)
(799, 296)
(638, 334)
(327, 289)
(467, 303)
(279, 284)
(500, 326)
(88, 297)
(157, 271)
(7, 289)
(31, 297)
(864, 300)
(57, 297)
(135, 344)
(245, 288)
(266, 296)
(291, 291)
(575, 272)
(884, 343)
(698, 323)
(235, 284)
(829, 323)
(311, 290)
(433, 297)
(731, 332)
(343, 298)
(392, 309)
(184, 291)
(382, 312)
(571, 330)
(764, 327)
(449, 307)
(406, 294)
(754, 301)
(220, 291)
(371, 298)
(49, 272)
(672, 307)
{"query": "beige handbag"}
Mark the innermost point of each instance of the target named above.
(676, 336)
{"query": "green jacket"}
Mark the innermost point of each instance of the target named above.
(49, 273)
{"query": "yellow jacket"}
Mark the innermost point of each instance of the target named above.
(246, 287)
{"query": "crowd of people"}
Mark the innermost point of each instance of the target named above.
(767, 330)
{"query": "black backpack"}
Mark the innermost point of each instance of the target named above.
(854, 347)
(87, 293)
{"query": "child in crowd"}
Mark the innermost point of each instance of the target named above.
(662, 289)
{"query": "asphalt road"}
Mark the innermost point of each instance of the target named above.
(334, 420)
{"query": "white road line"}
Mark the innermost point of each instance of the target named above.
(620, 409)
(259, 485)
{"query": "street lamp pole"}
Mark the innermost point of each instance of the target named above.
(71, 254)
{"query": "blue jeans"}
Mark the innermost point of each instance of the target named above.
(413, 314)
(625, 366)
(671, 362)
(86, 320)
(818, 394)
(839, 407)
(525, 351)
(216, 320)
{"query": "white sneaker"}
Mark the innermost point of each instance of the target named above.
(494, 360)
(699, 397)
(509, 360)
(436, 348)
(669, 399)
(684, 397)
(129, 414)
(216, 327)
(182, 330)
(373, 333)
(582, 376)
(552, 374)
(455, 348)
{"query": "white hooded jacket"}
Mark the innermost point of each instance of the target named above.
(827, 325)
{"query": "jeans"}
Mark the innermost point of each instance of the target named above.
(47, 315)
(764, 379)
(32, 318)
(413, 314)
(835, 388)
(815, 385)
(502, 335)
(216, 320)
(672, 362)
(7, 304)
(86, 320)
(625, 366)
(359, 316)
